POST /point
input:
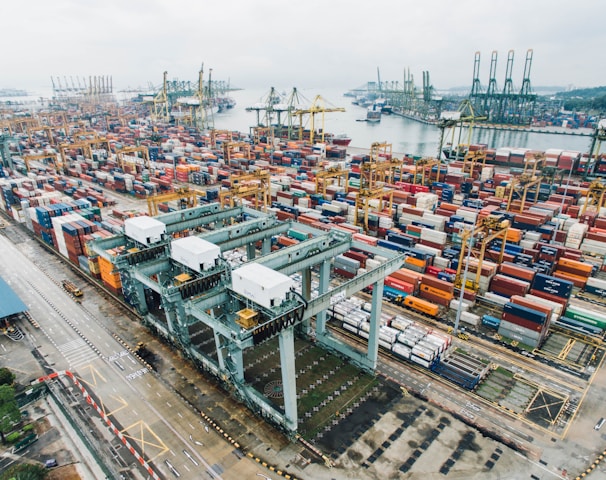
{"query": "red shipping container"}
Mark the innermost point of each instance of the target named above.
(431, 270)
(522, 322)
(518, 300)
(517, 271)
(408, 276)
(399, 285)
(437, 283)
(549, 296)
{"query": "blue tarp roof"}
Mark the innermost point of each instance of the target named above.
(10, 303)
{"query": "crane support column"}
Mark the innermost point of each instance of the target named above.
(237, 358)
(289, 385)
(220, 350)
(250, 251)
(266, 246)
(306, 293)
(375, 317)
(322, 288)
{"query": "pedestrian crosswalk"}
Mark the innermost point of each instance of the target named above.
(77, 353)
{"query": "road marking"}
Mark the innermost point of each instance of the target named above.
(149, 385)
(167, 403)
(192, 427)
(158, 393)
(180, 416)
(135, 412)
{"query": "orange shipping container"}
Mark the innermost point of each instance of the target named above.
(437, 292)
(408, 276)
(514, 235)
(577, 280)
(581, 266)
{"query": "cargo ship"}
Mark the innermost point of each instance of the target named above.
(373, 114)
(341, 139)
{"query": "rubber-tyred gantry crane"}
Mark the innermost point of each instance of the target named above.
(487, 230)
(321, 177)
(187, 199)
(254, 185)
(371, 173)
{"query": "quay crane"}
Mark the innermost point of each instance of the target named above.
(599, 135)
(464, 114)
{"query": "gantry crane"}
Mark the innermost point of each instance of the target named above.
(488, 229)
(321, 177)
(473, 158)
(422, 165)
(30, 157)
(525, 183)
(52, 119)
(372, 172)
(255, 185)
(187, 199)
(267, 133)
(535, 164)
(21, 124)
(317, 106)
(48, 130)
(215, 134)
(129, 155)
(595, 196)
(230, 149)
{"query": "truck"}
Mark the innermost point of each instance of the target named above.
(70, 287)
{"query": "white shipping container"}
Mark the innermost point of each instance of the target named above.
(420, 361)
(401, 350)
(470, 318)
(493, 297)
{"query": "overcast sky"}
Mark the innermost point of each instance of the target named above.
(307, 44)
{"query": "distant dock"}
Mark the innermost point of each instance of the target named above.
(578, 132)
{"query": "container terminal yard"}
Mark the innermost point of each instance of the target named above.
(226, 303)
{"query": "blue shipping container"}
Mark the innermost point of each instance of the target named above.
(553, 285)
(525, 313)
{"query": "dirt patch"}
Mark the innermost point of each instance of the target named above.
(66, 472)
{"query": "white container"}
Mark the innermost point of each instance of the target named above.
(144, 229)
(195, 253)
(261, 284)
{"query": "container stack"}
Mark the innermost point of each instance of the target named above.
(526, 325)
(345, 266)
(436, 291)
(552, 288)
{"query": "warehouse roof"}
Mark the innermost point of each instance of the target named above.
(11, 303)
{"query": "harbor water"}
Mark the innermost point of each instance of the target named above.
(405, 135)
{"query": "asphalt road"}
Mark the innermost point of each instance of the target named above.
(167, 433)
